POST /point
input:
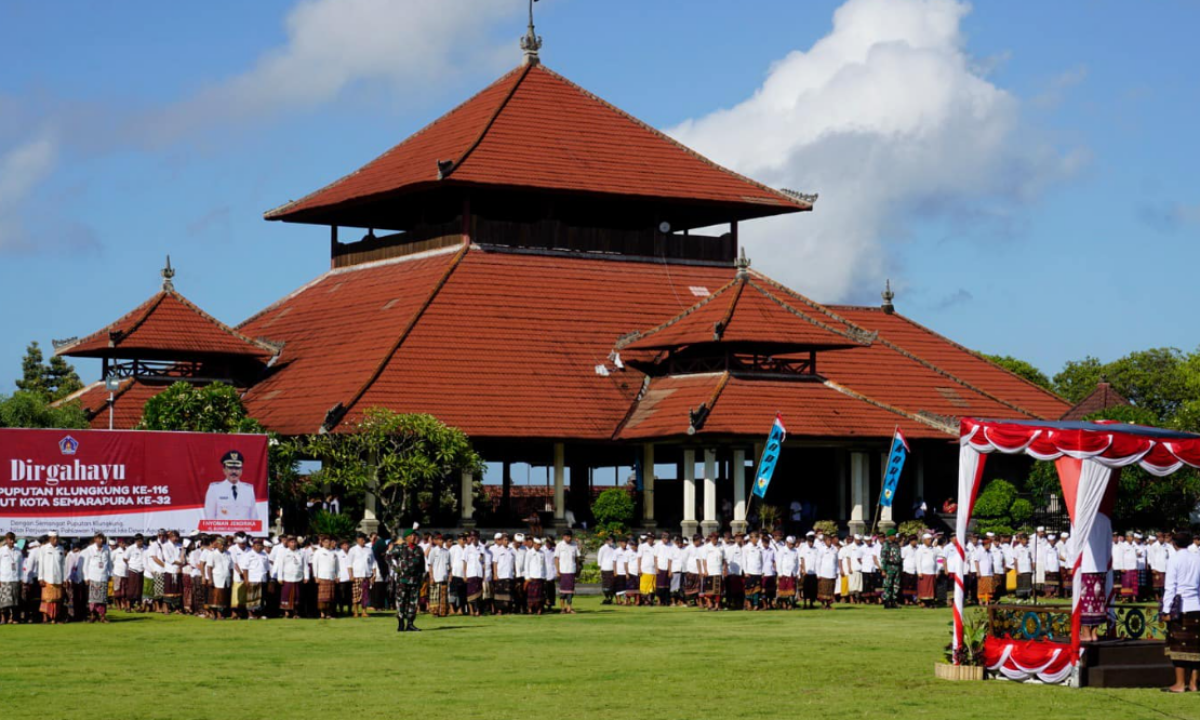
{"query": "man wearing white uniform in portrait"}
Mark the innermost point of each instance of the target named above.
(230, 499)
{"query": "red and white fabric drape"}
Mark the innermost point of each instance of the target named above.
(1088, 463)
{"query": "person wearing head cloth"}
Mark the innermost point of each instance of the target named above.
(1051, 565)
(11, 560)
(927, 571)
(520, 548)
(693, 557)
(218, 578)
(408, 566)
(473, 559)
(96, 569)
(566, 565)
(51, 574)
(290, 571)
(439, 577)
(504, 573)
(787, 564)
(535, 576)
(230, 499)
(605, 558)
(326, 572)
(1023, 562)
(551, 583)
(1181, 610)
(633, 574)
(712, 573)
(255, 569)
(891, 563)
(647, 566)
(360, 563)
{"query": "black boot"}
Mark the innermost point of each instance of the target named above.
(412, 627)
(399, 624)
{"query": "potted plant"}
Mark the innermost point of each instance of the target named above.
(967, 662)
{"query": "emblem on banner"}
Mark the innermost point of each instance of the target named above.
(68, 445)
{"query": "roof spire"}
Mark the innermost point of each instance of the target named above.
(742, 264)
(167, 273)
(532, 42)
(888, 296)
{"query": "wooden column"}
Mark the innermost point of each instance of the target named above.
(506, 492)
(648, 486)
(560, 499)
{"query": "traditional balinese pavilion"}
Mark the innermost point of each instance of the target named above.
(162, 341)
(532, 269)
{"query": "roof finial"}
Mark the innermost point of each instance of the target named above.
(532, 42)
(167, 273)
(888, 296)
(742, 264)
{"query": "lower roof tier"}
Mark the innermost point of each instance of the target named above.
(512, 345)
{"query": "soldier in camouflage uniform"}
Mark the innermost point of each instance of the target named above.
(408, 570)
(893, 566)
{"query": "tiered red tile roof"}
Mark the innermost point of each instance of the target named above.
(506, 345)
(1102, 398)
(743, 311)
(168, 326)
(128, 401)
(535, 129)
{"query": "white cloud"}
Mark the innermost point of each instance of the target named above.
(889, 119)
(334, 44)
(22, 168)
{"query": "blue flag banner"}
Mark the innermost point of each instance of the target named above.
(895, 465)
(766, 464)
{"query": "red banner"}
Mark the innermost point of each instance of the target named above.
(79, 482)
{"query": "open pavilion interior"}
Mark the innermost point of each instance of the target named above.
(565, 284)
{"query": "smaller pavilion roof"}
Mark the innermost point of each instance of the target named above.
(167, 326)
(1102, 398)
(128, 401)
(744, 312)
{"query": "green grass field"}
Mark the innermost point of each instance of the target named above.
(605, 662)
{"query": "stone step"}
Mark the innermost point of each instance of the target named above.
(1130, 676)
(1136, 652)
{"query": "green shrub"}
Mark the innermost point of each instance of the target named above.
(827, 527)
(613, 506)
(912, 527)
(327, 523)
(1020, 511)
(589, 573)
(995, 500)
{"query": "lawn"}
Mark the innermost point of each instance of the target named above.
(605, 662)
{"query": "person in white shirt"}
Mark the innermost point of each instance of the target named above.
(439, 577)
(535, 577)
(255, 568)
(712, 571)
(926, 558)
(1181, 610)
(360, 566)
(735, 571)
(51, 573)
(869, 554)
(1023, 561)
(677, 554)
(647, 566)
(473, 564)
(1051, 565)
(218, 577)
(504, 574)
(566, 564)
(195, 598)
(605, 558)
(548, 546)
(458, 576)
(620, 578)
(75, 588)
(96, 569)
(770, 545)
(325, 571)
(752, 567)
(828, 561)
(1156, 558)
(230, 499)
(787, 565)
(11, 560)
(808, 568)
(662, 570)
(291, 572)
(120, 570)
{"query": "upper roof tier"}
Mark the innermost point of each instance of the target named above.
(167, 327)
(534, 133)
(745, 313)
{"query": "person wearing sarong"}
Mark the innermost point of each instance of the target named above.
(520, 549)
(908, 571)
(75, 588)
(871, 584)
(96, 568)
(633, 574)
(620, 579)
(31, 590)
(691, 566)
(1052, 566)
(981, 560)
(408, 568)
(787, 566)
(550, 586)
(196, 558)
(11, 562)
(256, 570)
(439, 577)
(458, 576)
(566, 565)
(646, 565)
(892, 565)
(712, 573)
(361, 561)
(807, 581)
(172, 575)
(325, 571)
(752, 569)
(1023, 561)
(473, 559)
(1181, 610)
(51, 574)
(504, 566)
(604, 558)
(1156, 558)
(535, 577)
(735, 579)
(132, 587)
(218, 576)
(292, 573)
(827, 572)
(770, 582)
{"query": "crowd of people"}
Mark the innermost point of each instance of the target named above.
(238, 577)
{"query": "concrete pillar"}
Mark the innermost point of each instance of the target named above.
(710, 524)
(859, 478)
(885, 513)
(370, 522)
(689, 524)
(468, 499)
(739, 491)
(560, 492)
(648, 486)
(506, 493)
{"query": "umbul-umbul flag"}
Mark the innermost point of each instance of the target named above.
(766, 464)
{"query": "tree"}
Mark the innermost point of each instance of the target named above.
(52, 381)
(1153, 380)
(1022, 369)
(218, 408)
(1078, 378)
(25, 409)
(613, 508)
(400, 458)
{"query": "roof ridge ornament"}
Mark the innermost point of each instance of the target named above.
(810, 198)
(531, 42)
(742, 264)
(888, 296)
(168, 273)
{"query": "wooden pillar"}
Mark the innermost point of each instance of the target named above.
(710, 523)
(689, 525)
(560, 499)
(506, 493)
(739, 491)
(648, 486)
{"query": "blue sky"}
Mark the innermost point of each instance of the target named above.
(1019, 170)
